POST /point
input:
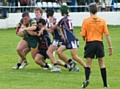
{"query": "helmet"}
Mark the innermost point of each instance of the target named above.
(49, 12)
(64, 9)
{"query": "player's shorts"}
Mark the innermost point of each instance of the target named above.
(43, 53)
(108, 2)
(32, 43)
(77, 42)
(57, 42)
(94, 49)
(71, 44)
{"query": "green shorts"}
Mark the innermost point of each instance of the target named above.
(32, 41)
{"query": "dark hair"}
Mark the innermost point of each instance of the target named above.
(49, 12)
(93, 8)
(42, 21)
(25, 14)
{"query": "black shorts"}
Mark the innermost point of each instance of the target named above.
(43, 53)
(94, 49)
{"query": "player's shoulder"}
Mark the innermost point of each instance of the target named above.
(62, 18)
(101, 19)
(86, 19)
(32, 19)
(69, 17)
(21, 20)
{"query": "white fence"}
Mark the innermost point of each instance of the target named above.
(112, 18)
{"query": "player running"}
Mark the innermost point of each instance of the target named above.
(29, 42)
(70, 40)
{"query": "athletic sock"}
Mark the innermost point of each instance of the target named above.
(104, 76)
(18, 64)
(70, 61)
(87, 73)
(56, 65)
(66, 66)
(25, 60)
(46, 65)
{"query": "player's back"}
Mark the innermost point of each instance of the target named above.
(94, 27)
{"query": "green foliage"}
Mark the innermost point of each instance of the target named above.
(4, 2)
(33, 77)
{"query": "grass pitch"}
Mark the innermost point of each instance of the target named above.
(33, 77)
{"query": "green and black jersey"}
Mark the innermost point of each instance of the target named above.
(31, 40)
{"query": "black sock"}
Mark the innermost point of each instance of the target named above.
(56, 65)
(18, 64)
(70, 61)
(104, 76)
(87, 73)
(46, 65)
(66, 66)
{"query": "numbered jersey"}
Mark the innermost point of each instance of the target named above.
(56, 33)
(67, 28)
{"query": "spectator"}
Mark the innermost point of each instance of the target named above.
(1, 3)
(61, 2)
(50, 0)
(0, 8)
(4, 2)
(39, 1)
(11, 3)
(24, 3)
(89, 1)
(108, 4)
(81, 3)
(16, 4)
(99, 3)
(114, 5)
(4, 10)
(32, 4)
(67, 2)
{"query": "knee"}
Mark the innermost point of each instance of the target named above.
(33, 56)
(35, 60)
(74, 56)
(58, 52)
(48, 52)
(18, 49)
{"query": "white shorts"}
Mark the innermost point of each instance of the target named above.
(57, 43)
(72, 44)
(108, 2)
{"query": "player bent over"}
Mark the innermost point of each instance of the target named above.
(29, 42)
(43, 46)
(44, 42)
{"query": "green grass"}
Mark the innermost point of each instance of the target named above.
(33, 77)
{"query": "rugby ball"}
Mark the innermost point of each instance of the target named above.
(22, 33)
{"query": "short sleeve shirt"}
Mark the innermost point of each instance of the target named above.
(93, 28)
(67, 28)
